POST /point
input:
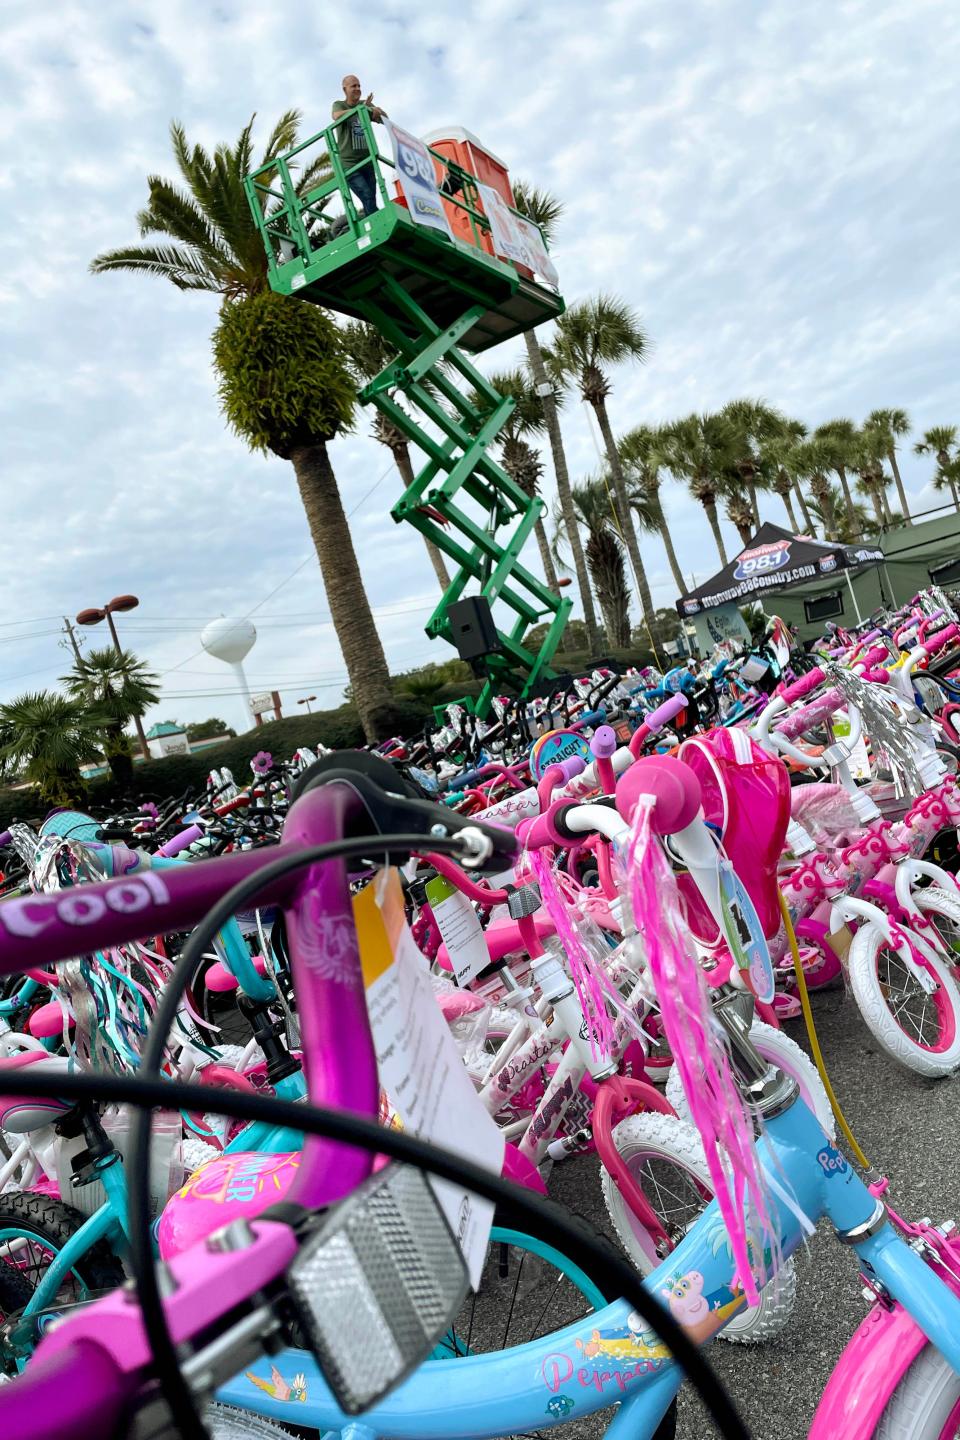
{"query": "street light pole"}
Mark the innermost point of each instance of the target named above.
(105, 612)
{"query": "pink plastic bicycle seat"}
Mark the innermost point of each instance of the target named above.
(219, 979)
(22, 1113)
(46, 1023)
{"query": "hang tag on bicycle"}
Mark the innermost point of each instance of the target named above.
(420, 1066)
(858, 759)
(744, 934)
(460, 929)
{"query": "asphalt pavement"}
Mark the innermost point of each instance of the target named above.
(906, 1126)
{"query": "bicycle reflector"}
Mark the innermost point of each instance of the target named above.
(377, 1286)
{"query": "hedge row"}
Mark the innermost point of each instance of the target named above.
(338, 729)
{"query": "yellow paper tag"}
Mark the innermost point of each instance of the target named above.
(379, 926)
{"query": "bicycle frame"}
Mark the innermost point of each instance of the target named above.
(94, 1358)
(110, 1219)
(606, 1358)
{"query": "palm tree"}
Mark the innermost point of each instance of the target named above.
(754, 424)
(778, 456)
(115, 688)
(868, 457)
(698, 450)
(740, 513)
(891, 425)
(367, 354)
(828, 503)
(519, 458)
(545, 210)
(284, 385)
(812, 461)
(50, 737)
(777, 453)
(643, 452)
(941, 441)
(605, 556)
(592, 336)
(839, 438)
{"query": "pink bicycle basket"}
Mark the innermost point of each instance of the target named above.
(746, 797)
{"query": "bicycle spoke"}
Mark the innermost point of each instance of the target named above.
(550, 1298)
(513, 1299)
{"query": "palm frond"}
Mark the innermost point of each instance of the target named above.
(283, 136)
(539, 206)
(170, 212)
(172, 262)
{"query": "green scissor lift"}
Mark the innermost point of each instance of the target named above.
(432, 299)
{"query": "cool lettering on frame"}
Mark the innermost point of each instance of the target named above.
(20, 917)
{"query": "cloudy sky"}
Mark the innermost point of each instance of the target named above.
(771, 185)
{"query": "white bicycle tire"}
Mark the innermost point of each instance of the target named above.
(669, 1138)
(777, 1047)
(923, 1402)
(936, 900)
(871, 1001)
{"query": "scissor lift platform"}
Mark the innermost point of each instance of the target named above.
(431, 297)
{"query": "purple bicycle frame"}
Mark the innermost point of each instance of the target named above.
(86, 1370)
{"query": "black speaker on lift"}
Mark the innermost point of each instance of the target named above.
(472, 628)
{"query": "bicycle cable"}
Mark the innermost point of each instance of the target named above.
(148, 1089)
(609, 1269)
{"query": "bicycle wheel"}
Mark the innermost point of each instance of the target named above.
(33, 1229)
(942, 908)
(926, 1403)
(666, 1160)
(527, 1289)
(920, 1031)
(787, 1056)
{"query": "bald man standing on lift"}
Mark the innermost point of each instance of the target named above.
(352, 142)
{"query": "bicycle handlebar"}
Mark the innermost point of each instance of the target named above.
(936, 642)
(181, 841)
(656, 720)
(803, 686)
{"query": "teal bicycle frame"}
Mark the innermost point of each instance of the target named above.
(609, 1357)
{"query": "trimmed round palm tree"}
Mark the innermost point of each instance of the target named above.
(519, 458)
(590, 337)
(839, 439)
(285, 389)
(941, 442)
(284, 384)
(49, 736)
(115, 688)
(367, 354)
(605, 557)
(891, 425)
(698, 450)
(643, 453)
(545, 210)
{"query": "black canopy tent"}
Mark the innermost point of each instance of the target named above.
(773, 560)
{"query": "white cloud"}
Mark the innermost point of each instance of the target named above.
(768, 184)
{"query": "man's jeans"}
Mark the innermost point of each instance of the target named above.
(364, 186)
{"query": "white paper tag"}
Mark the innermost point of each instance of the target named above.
(460, 929)
(420, 1066)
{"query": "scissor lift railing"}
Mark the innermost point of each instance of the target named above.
(431, 298)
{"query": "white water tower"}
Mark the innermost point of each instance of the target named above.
(231, 641)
